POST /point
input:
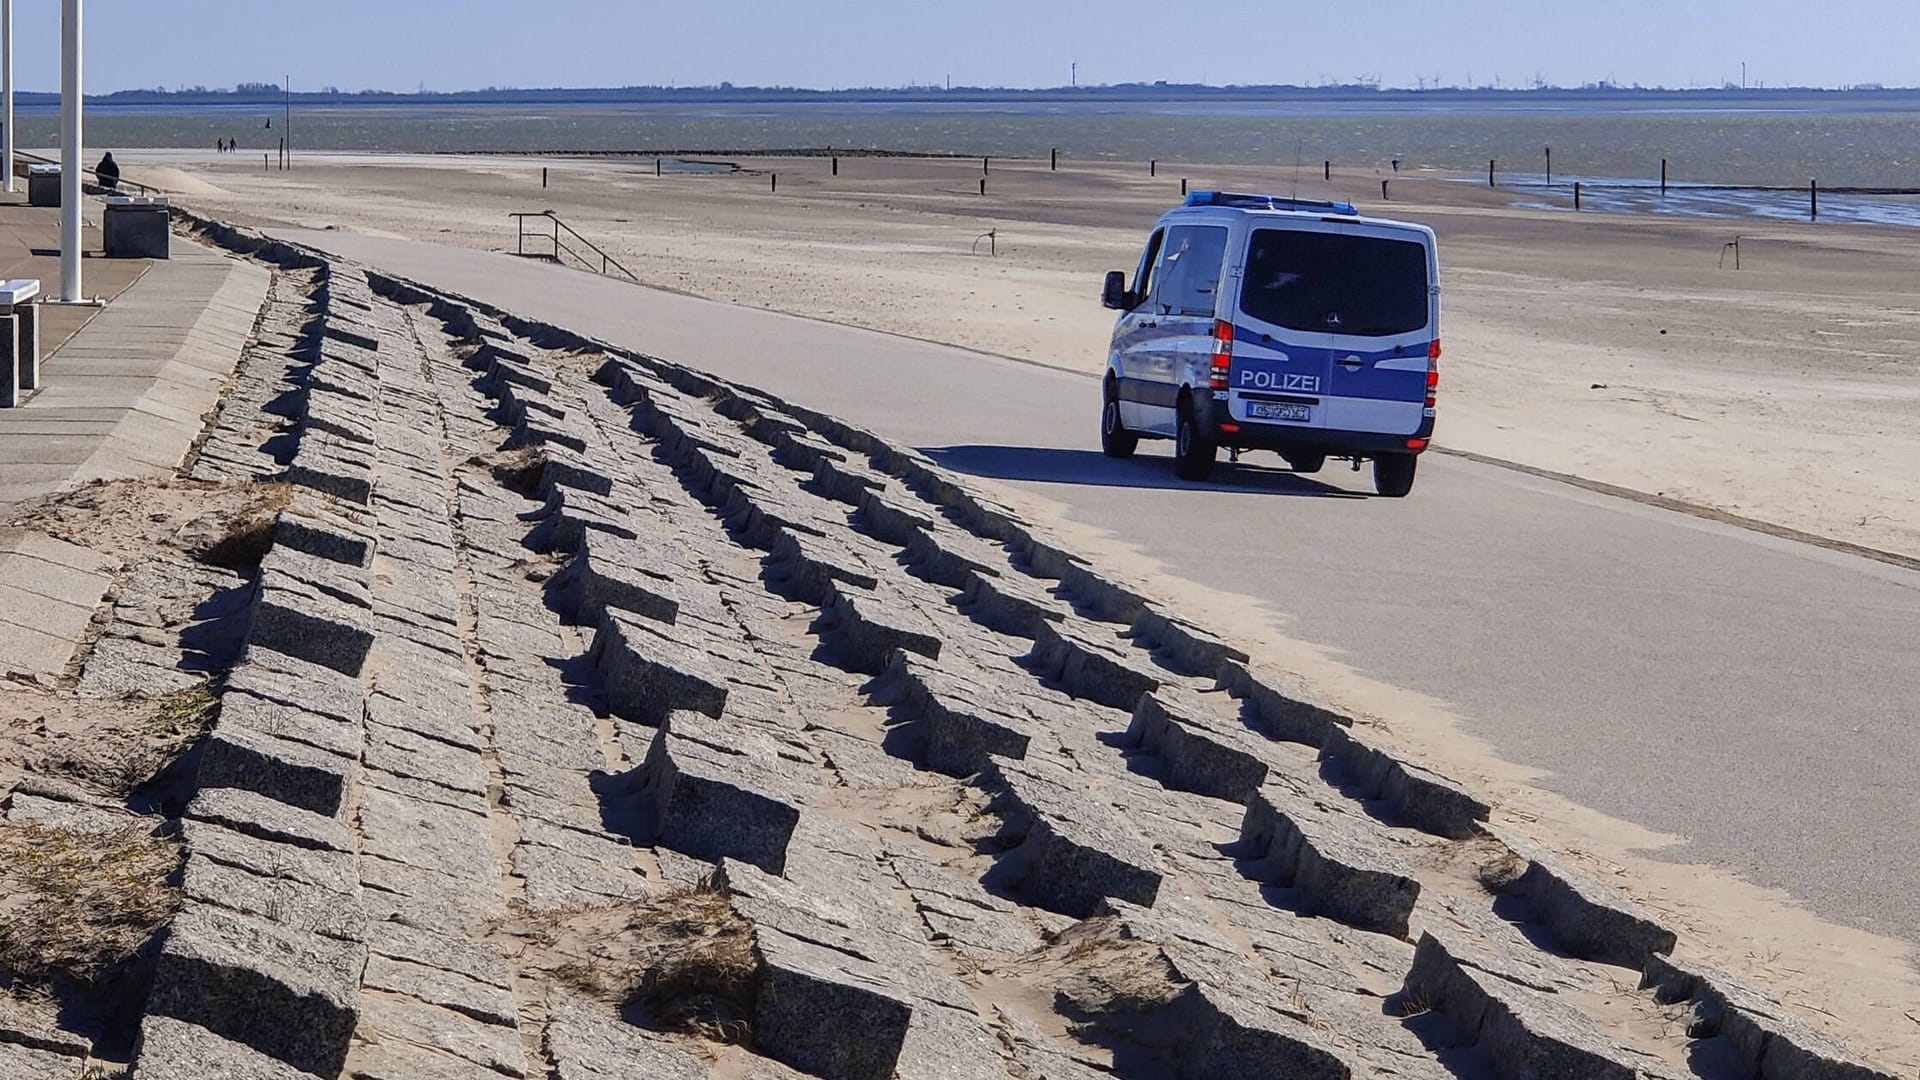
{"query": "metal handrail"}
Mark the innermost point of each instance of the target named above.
(607, 262)
(25, 158)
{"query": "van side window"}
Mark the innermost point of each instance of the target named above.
(1143, 278)
(1189, 274)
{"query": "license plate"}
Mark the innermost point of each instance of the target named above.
(1279, 410)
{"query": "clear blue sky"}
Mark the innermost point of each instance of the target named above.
(461, 44)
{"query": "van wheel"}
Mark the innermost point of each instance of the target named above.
(1115, 440)
(1193, 455)
(1305, 462)
(1393, 474)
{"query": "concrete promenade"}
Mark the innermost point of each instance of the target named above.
(124, 391)
(1748, 694)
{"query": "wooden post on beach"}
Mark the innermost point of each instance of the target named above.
(1326, 170)
(656, 166)
(836, 165)
(1053, 160)
(1183, 186)
(543, 178)
(1153, 167)
(1663, 176)
(266, 162)
(1383, 191)
(1576, 194)
(1549, 166)
(1813, 200)
(773, 182)
(1489, 174)
(983, 165)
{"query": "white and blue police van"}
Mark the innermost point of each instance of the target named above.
(1261, 323)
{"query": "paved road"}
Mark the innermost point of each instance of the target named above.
(1755, 695)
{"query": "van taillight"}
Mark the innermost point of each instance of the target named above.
(1222, 362)
(1433, 371)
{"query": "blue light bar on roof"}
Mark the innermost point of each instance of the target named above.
(1267, 202)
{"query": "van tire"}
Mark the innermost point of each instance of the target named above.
(1115, 440)
(1393, 474)
(1305, 461)
(1193, 455)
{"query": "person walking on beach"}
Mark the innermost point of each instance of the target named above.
(108, 172)
(220, 145)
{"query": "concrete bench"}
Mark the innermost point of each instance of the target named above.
(136, 227)
(19, 339)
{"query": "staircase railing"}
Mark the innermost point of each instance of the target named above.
(565, 242)
(22, 159)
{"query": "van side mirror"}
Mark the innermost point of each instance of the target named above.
(1114, 293)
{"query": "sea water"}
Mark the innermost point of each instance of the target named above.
(1760, 138)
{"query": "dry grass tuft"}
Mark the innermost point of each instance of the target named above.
(1102, 970)
(518, 471)
(1411, 1004)
(684, 956)
(1497, 874)
(79, 904)
(248, 534)
(123, 751)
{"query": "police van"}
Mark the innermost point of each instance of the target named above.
(1261, 323)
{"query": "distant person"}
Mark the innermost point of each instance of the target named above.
(233, 144)
(220, 145)
(108, 172)
(1396, 164)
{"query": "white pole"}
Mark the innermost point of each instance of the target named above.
(6, 91)
(70, 164)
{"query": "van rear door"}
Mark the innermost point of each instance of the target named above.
(1282, 352)
(1351, 309)
(1382, 323)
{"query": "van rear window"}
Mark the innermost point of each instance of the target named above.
(1342, 284)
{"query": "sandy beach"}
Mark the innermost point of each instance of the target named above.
(1621, 349)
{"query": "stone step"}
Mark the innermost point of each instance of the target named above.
(290, 995)
(1091, 664)
(1765, 1037)
(1592, 921)
(1345, 865)
(1418, 795)
(1202, 751)
(1523, 1032)
(716, 789)
(1071, 849)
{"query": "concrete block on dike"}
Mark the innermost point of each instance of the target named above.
(170, 1049)
(1074, 850)
(1418, 795)
(291, 772)
(1088, 663)
(872, 624)
(1201, 751)
(290, 995)
(1523, 1031)
(1766, 1037)
(1591, 920)
(712, 790)
(1343, 863)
